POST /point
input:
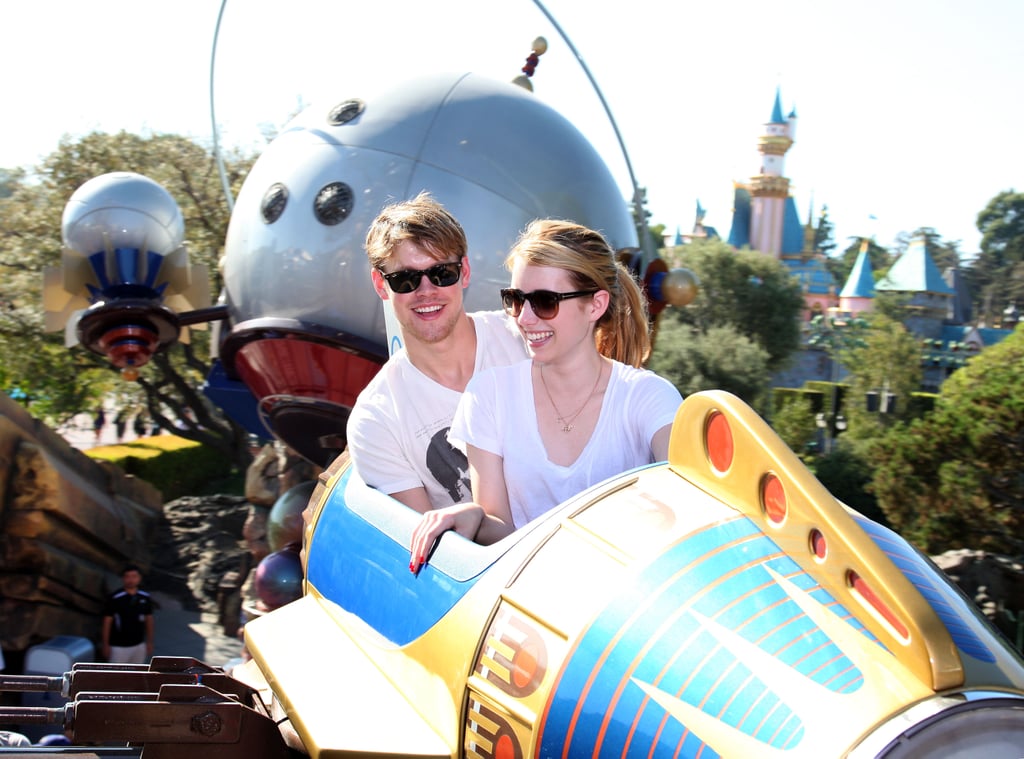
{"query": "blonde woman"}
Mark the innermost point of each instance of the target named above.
(578, 411)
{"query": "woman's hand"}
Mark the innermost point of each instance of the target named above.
(464, 518)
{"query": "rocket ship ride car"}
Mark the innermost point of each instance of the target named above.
(722, 603)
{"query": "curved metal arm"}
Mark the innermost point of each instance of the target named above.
(213, 119)
(638, 208)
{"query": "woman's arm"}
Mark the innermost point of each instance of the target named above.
(487, 478)
(486, 520)
(659, 443)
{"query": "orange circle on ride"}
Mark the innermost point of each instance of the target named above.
(773, 499)
(819, 546)
(524, 667)
(718, 439)
(504, 748)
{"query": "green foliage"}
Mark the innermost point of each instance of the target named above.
(847, 475)
(955, 478)
(886, 358)
(60, 382)
(794, 421)
(720, 358)
(997, 274)
(824, 240)
(173, 465)
(746, 290)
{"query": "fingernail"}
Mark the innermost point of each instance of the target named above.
(412, 567)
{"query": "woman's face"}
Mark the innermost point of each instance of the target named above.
(570, 329)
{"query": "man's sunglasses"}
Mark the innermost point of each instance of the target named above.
(407, 280)
(543, 302)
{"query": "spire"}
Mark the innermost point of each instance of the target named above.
(810, 233)
(777, 109)
(861, 282)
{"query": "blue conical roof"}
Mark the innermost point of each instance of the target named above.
(915, 272)
(777, 109)
(860, 283)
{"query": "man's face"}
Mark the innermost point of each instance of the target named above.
(131, 579)
(429, 313)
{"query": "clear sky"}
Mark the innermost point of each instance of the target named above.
(908, 110)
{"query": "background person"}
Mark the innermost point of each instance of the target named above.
(127, 633)
(580, 411)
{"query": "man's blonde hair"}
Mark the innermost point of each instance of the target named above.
(421, 220)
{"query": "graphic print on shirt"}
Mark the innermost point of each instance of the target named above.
(449, 466)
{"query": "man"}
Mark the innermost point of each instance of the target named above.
(127, 636)
(397, 432)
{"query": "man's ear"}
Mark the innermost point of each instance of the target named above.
(465, 272)
(379, 284)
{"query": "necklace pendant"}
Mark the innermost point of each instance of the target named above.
(567, 428)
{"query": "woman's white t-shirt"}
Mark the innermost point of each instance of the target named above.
(497, 414)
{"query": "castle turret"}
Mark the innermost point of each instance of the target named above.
(858, 294)
(769, 189)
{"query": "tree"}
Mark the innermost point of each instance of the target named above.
(721, 358)
(824, 241)
(749, 291)
(997, 274)
(62, 382)
(885, 359)
(952, 479)
(9, 181)
(794, 422)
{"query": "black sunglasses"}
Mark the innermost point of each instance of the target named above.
(407, 280)
(543, 302)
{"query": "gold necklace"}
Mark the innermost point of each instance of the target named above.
(567, 424)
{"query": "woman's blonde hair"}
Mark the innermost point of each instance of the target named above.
(623, 332)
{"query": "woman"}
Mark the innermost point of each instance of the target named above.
(579, 411)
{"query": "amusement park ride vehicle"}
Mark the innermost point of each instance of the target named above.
(721, 603)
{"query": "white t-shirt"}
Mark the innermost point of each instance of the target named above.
(497, 414)
(398, 429)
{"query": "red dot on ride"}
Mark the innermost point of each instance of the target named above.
(718, 439)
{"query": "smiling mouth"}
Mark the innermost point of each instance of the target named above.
(427, 309)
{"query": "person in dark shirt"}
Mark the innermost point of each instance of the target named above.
(128, 621)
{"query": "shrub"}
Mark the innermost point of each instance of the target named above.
(173, 465)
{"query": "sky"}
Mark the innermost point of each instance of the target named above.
(909, 111)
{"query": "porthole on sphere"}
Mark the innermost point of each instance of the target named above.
(344, 112)
(274, 201)
(333, 203)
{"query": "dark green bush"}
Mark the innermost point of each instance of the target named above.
(175, 466)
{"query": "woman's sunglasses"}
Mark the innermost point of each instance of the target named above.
(407, 280)
(543, 302)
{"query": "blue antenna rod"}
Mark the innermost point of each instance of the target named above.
(213, 119)
(638, 207)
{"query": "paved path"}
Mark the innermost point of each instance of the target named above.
(180, 632)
